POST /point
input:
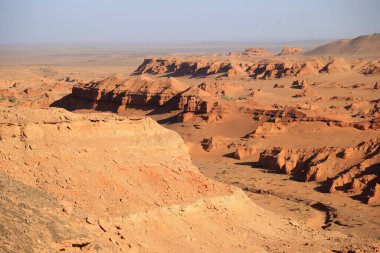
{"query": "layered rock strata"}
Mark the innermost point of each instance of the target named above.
(354, 169)
(264, 69)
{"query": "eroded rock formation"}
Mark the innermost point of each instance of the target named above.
(290, 115)
(215, 142)
(265, 69)
(355, 169)
(221, 89)
(251, 52)
(291, 50)
(136, 91)
(244, 151)
(300, 84)
(118, 94)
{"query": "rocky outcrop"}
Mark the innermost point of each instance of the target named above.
(336, 66)
(143, 92)
(366, 124)
(354, 169)
(251, 52)
(244, 151)
(300, 84)
(133, 92)
(285, 115)
(177, 67)
(288, 115)
(278, 86)
(370, 68)
(265, 69)
(290, 51)
(284, 69)
(364, 177)
(214, 143)
(195, 100)
(222, 89)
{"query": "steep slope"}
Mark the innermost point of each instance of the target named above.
(362, 46)
(118, 184)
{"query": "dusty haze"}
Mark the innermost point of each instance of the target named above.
(207, 126)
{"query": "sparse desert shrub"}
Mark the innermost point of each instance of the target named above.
(12, 99)
(228, 98)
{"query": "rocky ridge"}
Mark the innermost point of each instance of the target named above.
(264, 69)
(250, 52)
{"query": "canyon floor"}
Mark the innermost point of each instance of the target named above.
(298, 134)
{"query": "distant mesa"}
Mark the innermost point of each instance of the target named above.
(362, 46)
(251, 52)
(291, 50)
(255, 69)
(264, 52)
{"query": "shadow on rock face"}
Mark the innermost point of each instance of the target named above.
(70, 103)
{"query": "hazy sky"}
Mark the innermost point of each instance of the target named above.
(104, 21)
